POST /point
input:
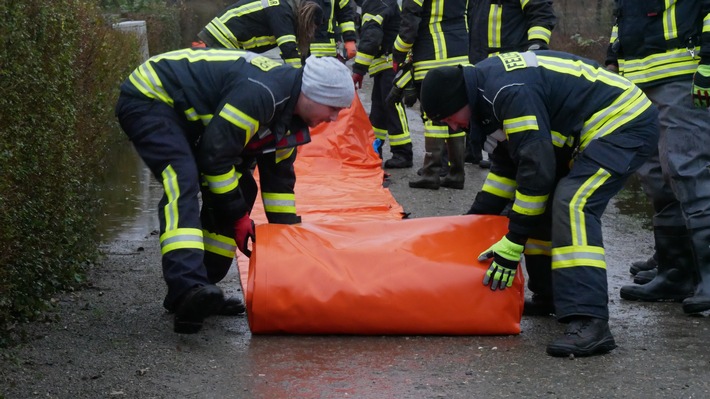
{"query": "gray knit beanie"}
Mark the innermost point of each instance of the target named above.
(328, 81)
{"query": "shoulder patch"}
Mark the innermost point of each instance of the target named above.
(273, 3)
(263, 63)
(512, 61)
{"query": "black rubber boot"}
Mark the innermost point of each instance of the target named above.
(584, 336)
(455, 178)
(700, 301)
(401, 157)
(641, 265)
(195, 306)
(674, 281)
(432, 164)
(232, 306)
(540, 284)
(645, 276)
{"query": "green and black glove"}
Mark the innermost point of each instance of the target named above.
(506, 256)
(701, 86)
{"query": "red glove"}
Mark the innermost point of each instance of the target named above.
(357, 80)
(395, 66)
(243, 230)
(350, 49)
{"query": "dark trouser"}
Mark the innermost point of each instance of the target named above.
(598, 173)
(389, 120)
(160, 138)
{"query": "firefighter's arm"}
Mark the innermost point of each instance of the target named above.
(277, 181)
(408, 29)
(345, 18)
(527, 129)
(499, 187)
(541, 21)
(371, 34)
(282, 24)
(235, 122)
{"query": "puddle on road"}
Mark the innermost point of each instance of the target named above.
(632, 201)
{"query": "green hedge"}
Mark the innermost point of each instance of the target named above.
(59, 88)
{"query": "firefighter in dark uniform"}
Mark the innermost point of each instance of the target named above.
(199, 118)
(664, 48)
(380, 25)
(259, 26)
(338, 23)
(436, 34)
(573, 133)
(501, 26)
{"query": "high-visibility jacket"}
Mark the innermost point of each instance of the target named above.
(338, 14)
(234, 104)
(549, 106)
(654, 42)
(500, 26)
(380, 25)
(435, 31)
(258, 26)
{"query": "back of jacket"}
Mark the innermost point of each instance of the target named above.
(380, 25)
(255, 25)
(436, 32)
(656, 41)
(499, 26)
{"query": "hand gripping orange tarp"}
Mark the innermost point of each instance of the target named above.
(355, 267)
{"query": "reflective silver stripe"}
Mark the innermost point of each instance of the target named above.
(181, 238)
(557, 257)
(219, 244)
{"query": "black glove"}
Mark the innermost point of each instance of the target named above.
(409, 96)
(394, 96)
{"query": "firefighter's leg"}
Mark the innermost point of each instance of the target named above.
(456, 147)
(578, 263)
(394, 118)
(434, 139)
(160, 139)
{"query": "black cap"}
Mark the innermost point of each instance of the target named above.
(443, 92)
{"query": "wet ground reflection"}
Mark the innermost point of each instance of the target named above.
(633, 201)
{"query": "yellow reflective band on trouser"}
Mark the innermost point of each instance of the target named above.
(400, 139)
(279, 202)
(530, 205)
(578, 255)
(499, 186)
(172, 192)
(538, 247)
(181, 238)
(380, 133)
(494, 26)
(578, 202)
(240, 120)
(539, 33)
(219, 244)
(520, 124)
(223, 183)
(435, 131)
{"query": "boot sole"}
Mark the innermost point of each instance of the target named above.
(604, 346)
(650, 298)
(692, 308)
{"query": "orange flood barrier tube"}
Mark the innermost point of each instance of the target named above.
(355, 267)
(417, 276)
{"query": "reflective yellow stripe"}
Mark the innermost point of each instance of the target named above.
(381, 64)
(530, 205)
(347, 26)
(435, 131)
(520, 124)
(219, 244)
(282, 154)
(499, 186)
(422, 67)
(538, 247)
(294, 62)
(258, 41)
(676, 62)
(706, 24)
(223, 183)
(401, 45)
(670, 29)
(370, 17)
(364, 59)
(559, 140)
(147, 82)
(172, 192)
(624, 109)
(279, 202)
(437, 34)
(181, 238)
(578, 255)
(539, 33)
(192, 115)
(578, 202)
(240, 120)
(494, 24)
(285, 39)
(380, 133)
